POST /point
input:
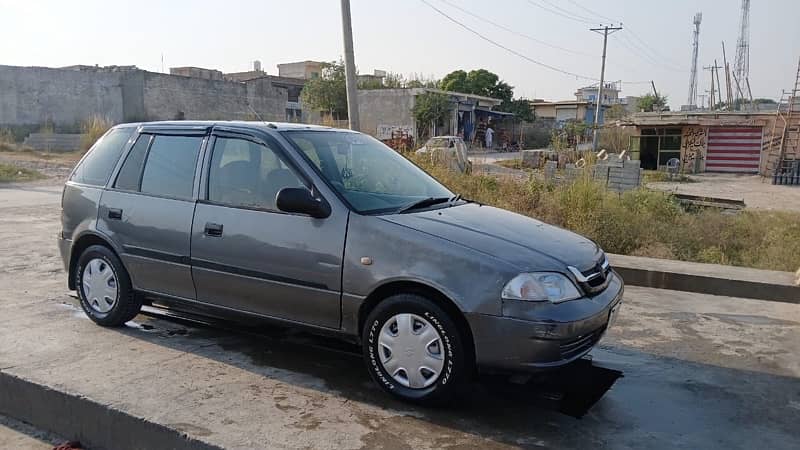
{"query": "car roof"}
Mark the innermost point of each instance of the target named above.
(276, 126)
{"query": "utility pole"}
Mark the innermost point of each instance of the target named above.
(712, 103)
(728, 90)
(606, 30)
(719, 86)
(350, 68)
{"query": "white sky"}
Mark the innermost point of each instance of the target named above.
(406, 36)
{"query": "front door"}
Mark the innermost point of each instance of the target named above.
(249, 256)
(148, 212)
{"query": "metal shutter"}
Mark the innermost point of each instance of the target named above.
(733, 149)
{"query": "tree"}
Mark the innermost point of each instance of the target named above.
(328, 92)
(478, 82)
(651, 102)
(521, 108)
(615, 112)
(430, 108)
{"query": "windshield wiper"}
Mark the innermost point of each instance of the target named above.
(423, 203)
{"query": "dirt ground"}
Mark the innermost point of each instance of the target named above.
(698, 371)
(17, 435)
(756, 192)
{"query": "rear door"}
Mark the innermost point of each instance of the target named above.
(149, 206)
(249, 256)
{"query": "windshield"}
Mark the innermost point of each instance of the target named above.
(372, 177)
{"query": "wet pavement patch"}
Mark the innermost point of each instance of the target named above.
(572, 390)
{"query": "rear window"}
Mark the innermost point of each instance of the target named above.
(170, 166)
(96, 167)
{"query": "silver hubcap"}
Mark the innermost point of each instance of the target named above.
(411, 351)
(99, 285)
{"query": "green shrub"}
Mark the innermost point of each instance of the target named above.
(640, 222)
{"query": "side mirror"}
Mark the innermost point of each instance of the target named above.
(300, 200)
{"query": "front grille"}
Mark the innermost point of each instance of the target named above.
(574, 347)
(595, 279)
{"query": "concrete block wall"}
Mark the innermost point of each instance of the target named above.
(386, 107)
(56, 142)
(37, 95)
(32, 96)
(614, 175)
(167, 97)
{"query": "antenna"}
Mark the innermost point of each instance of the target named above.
(693, 74)
(741, 65)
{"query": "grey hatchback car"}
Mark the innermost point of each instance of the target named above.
(335, 232)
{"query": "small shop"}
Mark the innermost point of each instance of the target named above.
(700, 142)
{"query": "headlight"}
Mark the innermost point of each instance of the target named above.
(540, 287)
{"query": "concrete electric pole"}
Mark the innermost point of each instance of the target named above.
(606, 30)
(350, 68)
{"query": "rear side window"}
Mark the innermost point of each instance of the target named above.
(96, 167)
(131, 172)
(170, 166)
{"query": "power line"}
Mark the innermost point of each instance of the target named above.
(497, 44)
(503, 27)
(640, 52)
(652, 49)
(593, 13)
(558, 13)
(568, 12)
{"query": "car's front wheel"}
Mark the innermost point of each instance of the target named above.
(414, 350)
(104, 287)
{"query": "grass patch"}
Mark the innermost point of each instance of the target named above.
(512, 164)
(13, 173)
(641, 222)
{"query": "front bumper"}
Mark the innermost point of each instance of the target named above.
(531, 336)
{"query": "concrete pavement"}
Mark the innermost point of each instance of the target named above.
(700, 371)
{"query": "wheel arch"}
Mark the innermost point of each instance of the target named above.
(449, 306)
(83, 242)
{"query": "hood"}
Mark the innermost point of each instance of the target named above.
(522, 241)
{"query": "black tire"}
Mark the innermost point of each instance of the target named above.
(126, 305)
(456, 370)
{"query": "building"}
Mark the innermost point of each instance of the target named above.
(589, 94)
(563, 111)
(66, 97)
(702, 141)
(383, 111)
(376, 78)
(248, 75)
(196, 72)
(302, 69)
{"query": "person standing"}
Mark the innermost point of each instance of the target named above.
(489, 136)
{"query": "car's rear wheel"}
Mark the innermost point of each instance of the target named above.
(104, 287)
(414, 350)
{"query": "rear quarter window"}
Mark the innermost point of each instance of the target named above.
(96, 167)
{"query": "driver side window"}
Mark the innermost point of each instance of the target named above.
(248, 174)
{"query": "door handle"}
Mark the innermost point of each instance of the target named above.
(114, 213)
(213, 229)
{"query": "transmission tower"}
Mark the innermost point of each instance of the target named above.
(692, 101)
(741, 65)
